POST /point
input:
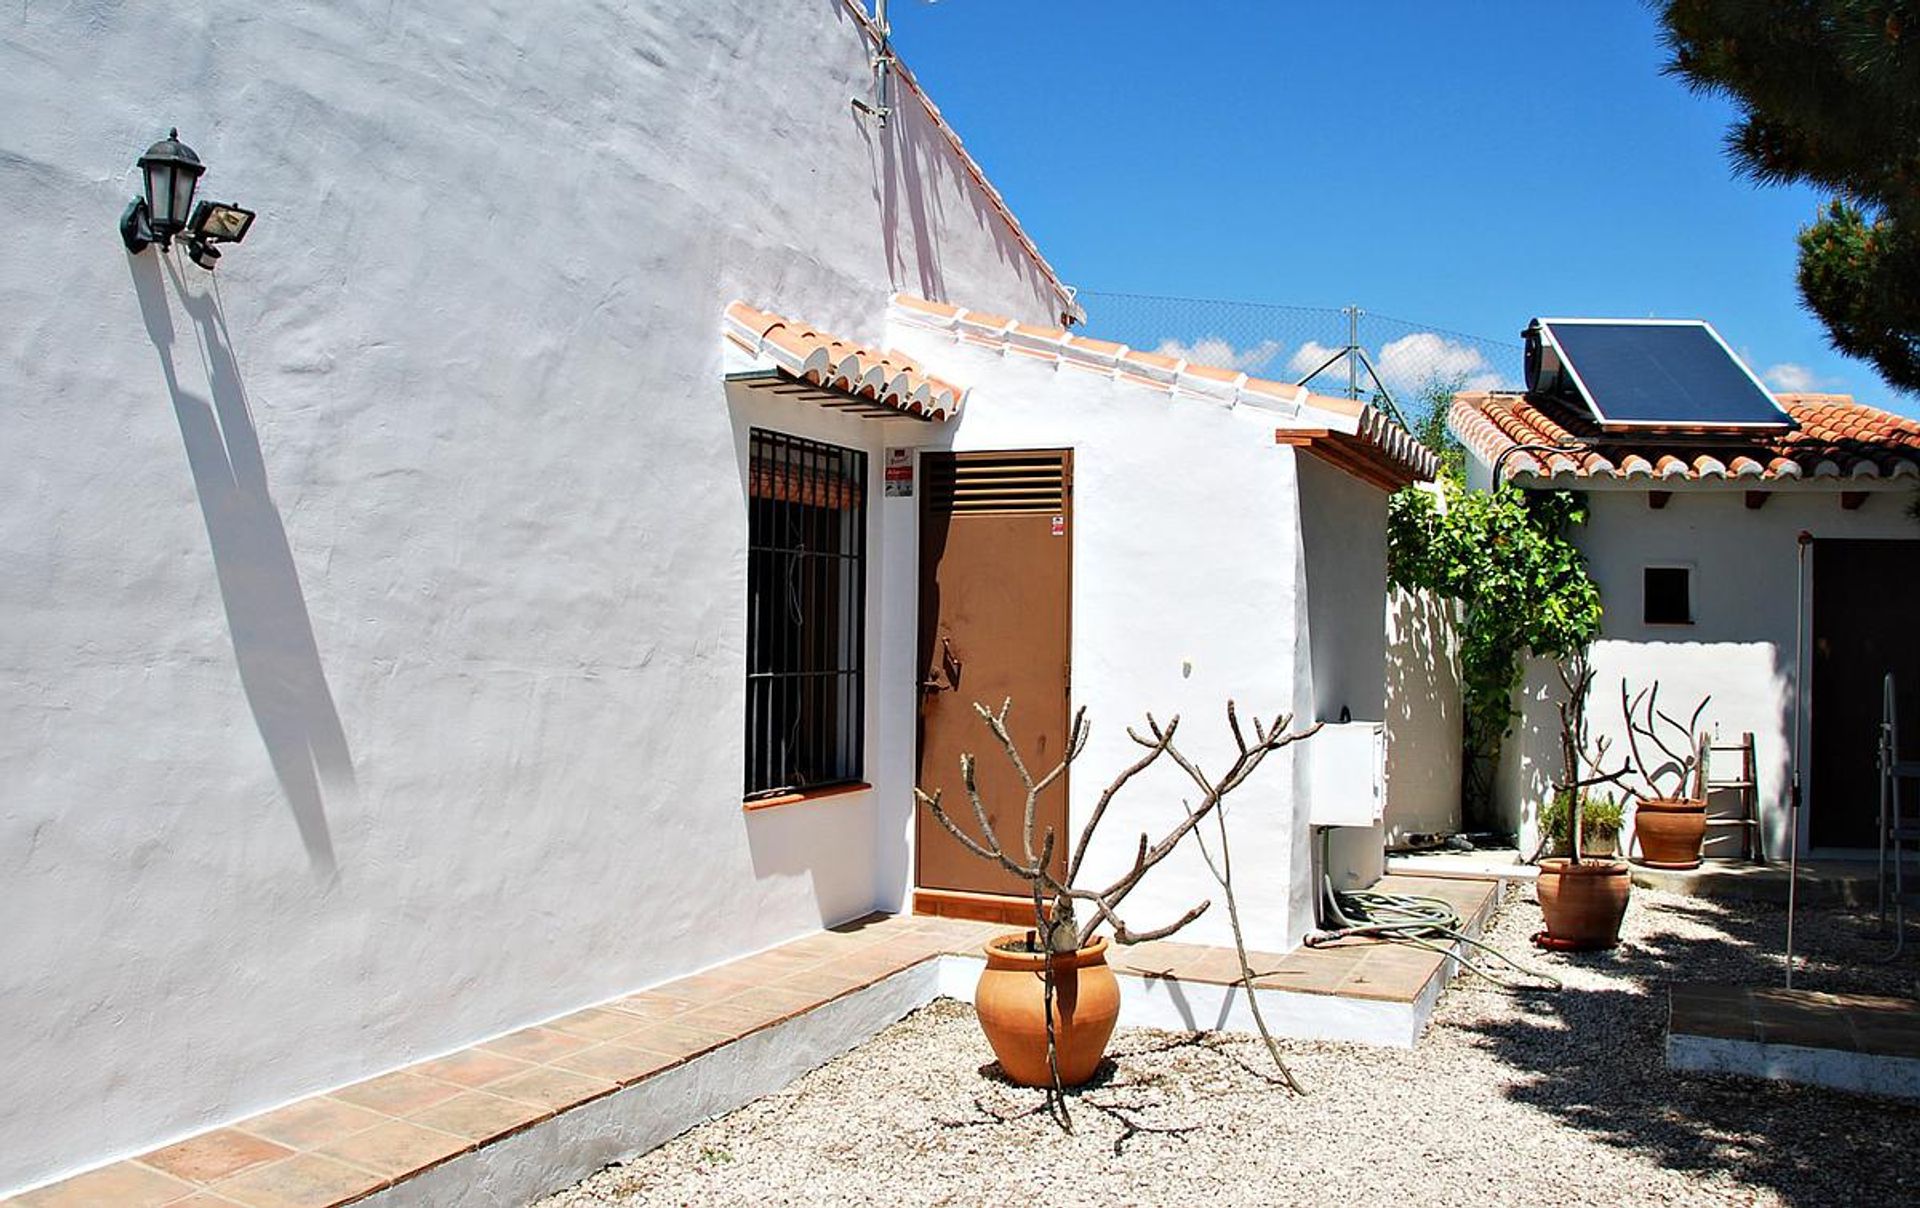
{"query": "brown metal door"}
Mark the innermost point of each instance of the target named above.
(995, 604)
(1863, 627)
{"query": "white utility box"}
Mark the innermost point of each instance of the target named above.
(1346, 781)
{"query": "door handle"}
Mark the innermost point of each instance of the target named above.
(949, 665)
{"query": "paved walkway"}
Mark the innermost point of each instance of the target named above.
(332, 1149)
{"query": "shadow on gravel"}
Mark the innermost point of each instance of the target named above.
(1599, 1057)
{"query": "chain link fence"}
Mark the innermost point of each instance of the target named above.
(1410, 361)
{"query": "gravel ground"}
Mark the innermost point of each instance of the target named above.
(1508, 1099)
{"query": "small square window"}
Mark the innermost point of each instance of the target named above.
(1669, 595)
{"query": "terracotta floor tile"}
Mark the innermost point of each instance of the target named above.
(784, 999)
(121, 1185)
(1886, 1037)
(203, 1199)
(213, 1155)
(1380, 985)
(1265, 962)
(770, 966)
(311, 1123)
(677, 1040)
(822, 945)
(869, 966)
(537, 1045)
(1307, 977)
(700, 989)
(871, 926)
(397, 1093)
(303, 1181)
(729, 1017)
(397, 1148)
(1218, 966)
(553, 1088)
(615, 1062)
(480, 1115)
(648, 1007)
(752, 1010)
(823, 982)
(1713, 1012)
(595, 1023)
(470, 1067)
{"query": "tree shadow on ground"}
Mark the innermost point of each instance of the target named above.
(1599, 1065)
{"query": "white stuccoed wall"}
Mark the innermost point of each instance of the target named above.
(1343, 527)
(1423, 716)
(1740, 648)
(1188, 553)
(371, 615)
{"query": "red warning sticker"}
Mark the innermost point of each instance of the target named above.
(1059, 526)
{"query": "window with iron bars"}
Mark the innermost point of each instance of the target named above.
(806, 614)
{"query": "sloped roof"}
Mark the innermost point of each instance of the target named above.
(1351, 435)
(1361, 432)
(1837, 439)
(806, 354)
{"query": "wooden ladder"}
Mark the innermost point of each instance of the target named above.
(1748, 785)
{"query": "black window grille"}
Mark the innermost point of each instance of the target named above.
(806, 614)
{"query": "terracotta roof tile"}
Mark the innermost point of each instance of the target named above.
(1394, 452)
(1836, 438)
(806, 354)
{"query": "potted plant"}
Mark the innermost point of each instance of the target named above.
(1599, 826)
(1670, 817)
(1582, 899)
(1047, 999)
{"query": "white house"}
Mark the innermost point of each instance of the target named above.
(1694, 539)
(476, 600)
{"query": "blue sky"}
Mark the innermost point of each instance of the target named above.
(1467, 166)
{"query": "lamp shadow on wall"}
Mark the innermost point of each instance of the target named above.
(273, 641)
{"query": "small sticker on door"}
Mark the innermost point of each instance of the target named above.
(1059, 526)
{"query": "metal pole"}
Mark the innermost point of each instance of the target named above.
(1353, 351)
(1885, 760)
(1799, 726)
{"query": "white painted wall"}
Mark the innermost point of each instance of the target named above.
(1740, 648)
(1343, 531)
(1188, 581)
(371, 615)
(1423, 717)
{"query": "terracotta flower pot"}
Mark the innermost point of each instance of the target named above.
(1583, 903)
(1670, 832)
(1010, 998)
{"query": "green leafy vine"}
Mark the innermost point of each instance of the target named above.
(1507, 558)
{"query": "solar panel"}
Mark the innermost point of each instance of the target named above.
(1649, 373)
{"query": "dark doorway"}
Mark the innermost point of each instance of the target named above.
(1866, 623)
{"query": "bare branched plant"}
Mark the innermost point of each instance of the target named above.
(1685, 769)
(1582, 762)
(1034, 861)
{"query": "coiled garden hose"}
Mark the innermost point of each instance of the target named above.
(1421, 922)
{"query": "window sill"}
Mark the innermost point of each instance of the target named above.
(819, 794)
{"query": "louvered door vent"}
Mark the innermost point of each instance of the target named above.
(1011, 484)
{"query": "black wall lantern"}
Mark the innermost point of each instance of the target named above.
(171, 172)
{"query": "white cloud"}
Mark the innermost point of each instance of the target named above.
(1219, 354)
(1309, 357)
(1411, 361)
(1792, 378)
